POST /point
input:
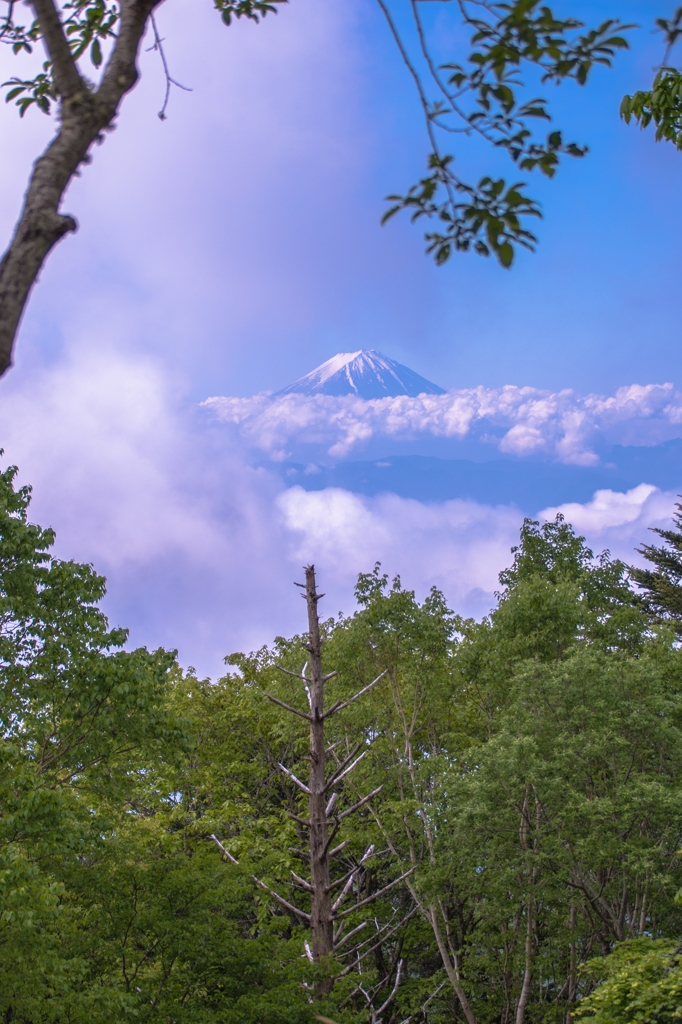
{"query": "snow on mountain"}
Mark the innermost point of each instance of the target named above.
(365, 374)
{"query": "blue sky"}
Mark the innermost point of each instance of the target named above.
(235, 246)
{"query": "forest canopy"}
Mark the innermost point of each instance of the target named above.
(503, 805)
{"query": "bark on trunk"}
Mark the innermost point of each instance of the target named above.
(84, 115)
(572, 976)
(321, 920)
(528, 971)
(451, 971)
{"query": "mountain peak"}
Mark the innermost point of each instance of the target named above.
(365, 374)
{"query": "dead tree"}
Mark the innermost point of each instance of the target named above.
(329, 915)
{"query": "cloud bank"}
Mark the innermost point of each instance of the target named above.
(563, 425)
(201, 549)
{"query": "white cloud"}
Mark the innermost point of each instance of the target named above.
(618, 521)
(459, 546)
(562, 425)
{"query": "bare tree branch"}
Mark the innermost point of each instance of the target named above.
(376, 895)
(223, 850)
(359, 804)
(340, 705)
(342, 772)
(285, 903)
(301, 785)
(158, 46)
(288, 707)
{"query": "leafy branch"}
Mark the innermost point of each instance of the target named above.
(483, 97)
(87, 25)
(110, 34)
(487, 220)
(251, 9)
(662, 104)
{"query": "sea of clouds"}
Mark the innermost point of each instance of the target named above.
(201, 547)
(518, 421)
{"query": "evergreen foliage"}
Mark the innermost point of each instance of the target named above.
(662, 585)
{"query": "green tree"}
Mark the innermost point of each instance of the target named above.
(114, 903)
(76, 713)
(662, 585)
(641, 981)
(522, 765)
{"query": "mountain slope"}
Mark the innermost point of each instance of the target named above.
(365, 374)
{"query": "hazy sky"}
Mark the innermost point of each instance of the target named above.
(237, 245)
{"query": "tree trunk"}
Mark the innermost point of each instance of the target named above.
(84, 115)
(321, 921)
(528, 972)
(572, 976)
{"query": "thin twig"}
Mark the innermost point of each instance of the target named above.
(158, 45)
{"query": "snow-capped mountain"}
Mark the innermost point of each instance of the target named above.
(366, 374)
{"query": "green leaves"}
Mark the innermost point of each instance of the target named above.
(39, 91)
(484, 97)
(90, 23)
(77, 715)
(254, 10)
(488, 219)
(640, 981)
(662, 106)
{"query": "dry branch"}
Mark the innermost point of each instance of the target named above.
(288, 707)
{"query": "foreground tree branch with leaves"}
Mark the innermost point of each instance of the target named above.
(481, 96)
(85, 112)
(486, 98)
(662, 104)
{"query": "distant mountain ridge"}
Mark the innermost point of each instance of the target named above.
(529, 484)
(366, 374)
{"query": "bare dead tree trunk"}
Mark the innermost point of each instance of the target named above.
(327, 918)
(84, 115)
(321, 921)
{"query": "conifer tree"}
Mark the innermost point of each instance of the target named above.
(662, 585)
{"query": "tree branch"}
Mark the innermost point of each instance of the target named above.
(359, 804)
(342, 770)
(285, 903)
(301, 785)
(376, 895)
(288, 707)
(67, 78)
(84, 115)
(223, 850)
(295, 675)
(340, 705)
